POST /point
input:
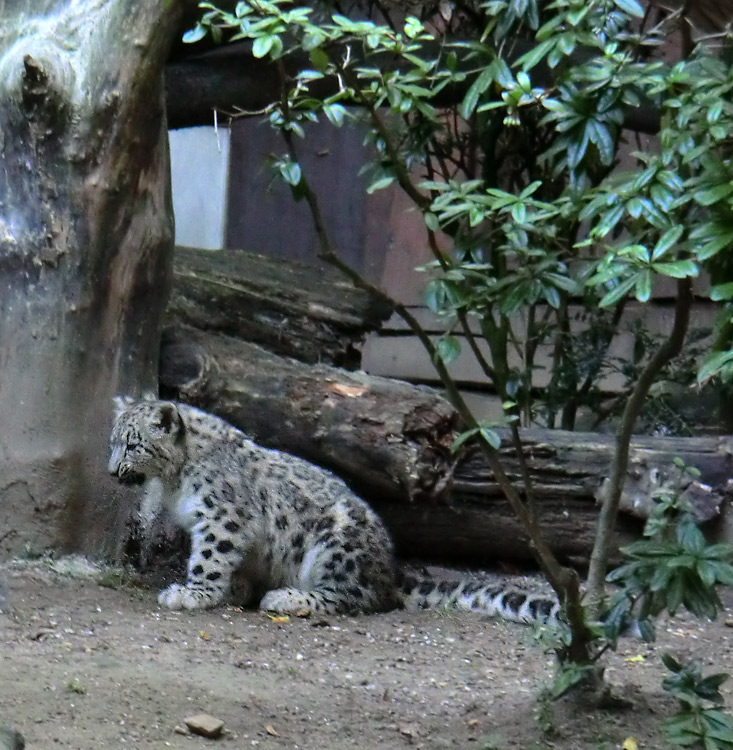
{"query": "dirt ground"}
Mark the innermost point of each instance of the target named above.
(90, 661)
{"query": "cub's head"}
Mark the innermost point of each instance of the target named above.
(147, 440)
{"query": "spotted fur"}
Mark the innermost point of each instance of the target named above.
(296, 535)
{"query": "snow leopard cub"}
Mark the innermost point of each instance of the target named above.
(292, 531)
(290, 528)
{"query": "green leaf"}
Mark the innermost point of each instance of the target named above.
(689, 535)
(262, 45)
(714, 246)
(670, 180)
(723, 573)
(468, 105)
(720, 551)
(643, 286)
(313, 39)
(448, 348)
(707, 572)
(680, 269)
(568, 675)
(631, 7)
(309, 75)
(519, 213)
(431, 221)
(566, 283)
(491, 437)
(601, 136)
(635, 207)
(714, 112)
(608, 221)
(674, 595)
(475, 216)
(195, 34)
(661, 196)
(413, 27)
(536, 54)
(713, 365)
(671, 663)
(552, 297)
(714, 194)
(612, 297)
(722, 292)
(666, 241)
(291, 172)
(463, 438)
(380, 183)
(335, 114)
(319, 58)
(647, 630)
(435, 296)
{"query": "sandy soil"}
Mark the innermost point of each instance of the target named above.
(90, 661)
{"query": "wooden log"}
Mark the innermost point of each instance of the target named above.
(576, 464)
(388, 438)
(391, 441)
(481, 532)
(568, 471)
(298, 310)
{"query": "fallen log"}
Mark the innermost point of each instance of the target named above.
(576, 464)
(294, 309)
(391, 441)
(568, 471)
(388, 438)
(481, 532)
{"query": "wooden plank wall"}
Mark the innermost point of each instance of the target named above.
(383, 238)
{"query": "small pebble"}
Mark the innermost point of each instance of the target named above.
(205, 725)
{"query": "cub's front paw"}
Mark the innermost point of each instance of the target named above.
(177, 596)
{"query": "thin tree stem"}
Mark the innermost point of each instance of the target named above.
(669, 349)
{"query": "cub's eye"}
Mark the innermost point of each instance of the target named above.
(131, 446)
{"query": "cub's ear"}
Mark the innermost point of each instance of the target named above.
(149, 396)
(169, 420)
(122, 403)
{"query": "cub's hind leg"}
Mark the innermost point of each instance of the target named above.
(292, 601)
(337, 580)
(211, 564)
(361, 592)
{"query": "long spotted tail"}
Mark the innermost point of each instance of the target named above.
(495, 598)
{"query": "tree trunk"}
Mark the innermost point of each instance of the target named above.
(388, 438)
(290, 308)
(85, 244)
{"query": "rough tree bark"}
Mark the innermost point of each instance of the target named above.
(568, 471)
(291, 308)
(85, 245)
